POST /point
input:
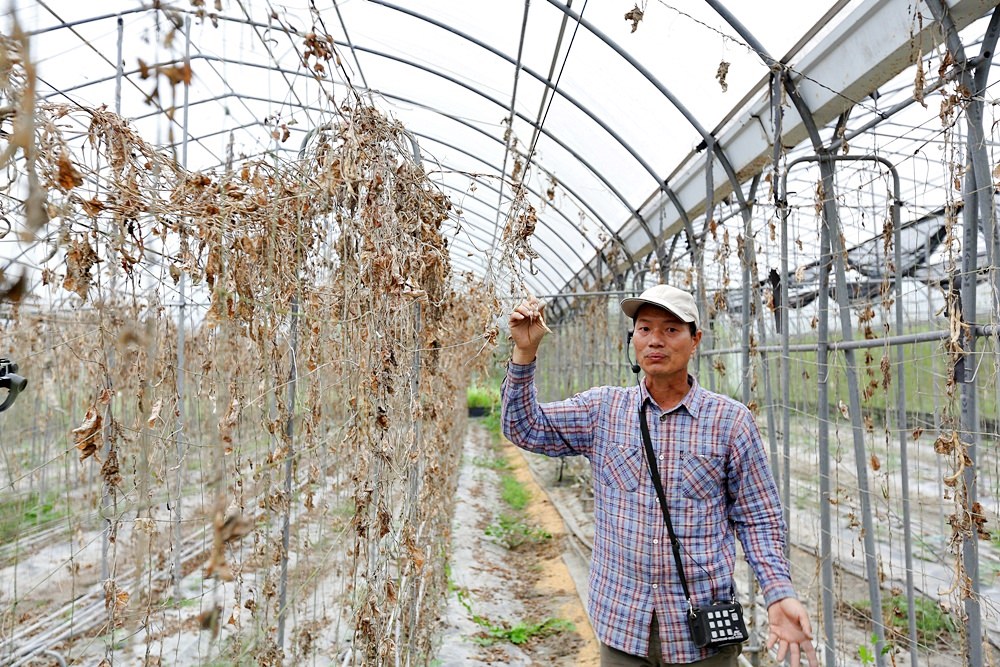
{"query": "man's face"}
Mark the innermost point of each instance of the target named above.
(663, 342)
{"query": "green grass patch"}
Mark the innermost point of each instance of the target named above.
(492, 462)
(21, 514)
(934, 624)
(518, 632)
(513, 533)
(514, 493)
(482, 397)
(491, 422)
(522, 633)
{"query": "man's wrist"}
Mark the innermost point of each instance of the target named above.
(523, 357)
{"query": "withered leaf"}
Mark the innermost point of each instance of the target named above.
(14, 292)
(177, 74)
(86, 436)
(235, 527)
(154, 414)
(92, 207)
(69, 177)
(80, 258)
(634, 15)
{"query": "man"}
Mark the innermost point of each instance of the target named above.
(715, 473)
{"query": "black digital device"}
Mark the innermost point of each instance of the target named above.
(11, 381)
(718, 624)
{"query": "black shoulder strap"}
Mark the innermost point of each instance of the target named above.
(658, 485)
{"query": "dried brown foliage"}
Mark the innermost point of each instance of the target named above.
(332, 272)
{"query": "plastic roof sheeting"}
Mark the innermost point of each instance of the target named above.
(568, 97)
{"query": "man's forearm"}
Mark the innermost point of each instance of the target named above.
(523, 356)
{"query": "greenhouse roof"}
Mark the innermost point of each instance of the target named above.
(597, 114)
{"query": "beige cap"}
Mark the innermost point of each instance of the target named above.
(677, 301)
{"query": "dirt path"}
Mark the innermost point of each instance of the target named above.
(501, 589)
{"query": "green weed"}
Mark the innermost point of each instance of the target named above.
(492, 462)
(482, 397)
(513, 492)
(18, 515)
(491, 422)
(867, 654)
(521, 633)
(512, 533)
(934, 624)
(514, 633)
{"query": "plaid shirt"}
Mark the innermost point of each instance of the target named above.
(718, 485)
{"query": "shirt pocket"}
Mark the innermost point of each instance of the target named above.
(622, 467)
(703, 476)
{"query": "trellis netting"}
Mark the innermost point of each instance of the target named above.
(862, 393)
(244, 419)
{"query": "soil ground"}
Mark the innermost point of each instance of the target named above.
(503, 588)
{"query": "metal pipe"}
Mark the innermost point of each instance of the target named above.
(536, 125)
(699, 250)
(293, 377)
(862, 344)
(831, 220)
(823, 416)
(510, 124)
(781, 204)
(982, 203)
(901, 422)
(179, 377)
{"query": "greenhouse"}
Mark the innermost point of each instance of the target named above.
(260, 266)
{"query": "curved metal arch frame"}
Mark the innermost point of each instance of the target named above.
(559, 142)
(540, 79)
(536, 193)
(487, 240)
(443, 114)
(707, 136)
(488, 186)
(633, 211)
(613, 235)
(468, 195)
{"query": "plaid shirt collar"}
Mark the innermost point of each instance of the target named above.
(692, 401)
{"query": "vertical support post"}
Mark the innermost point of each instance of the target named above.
(709, 325)
(416, 474)
(293, 375)
(289, 466)
(831, 221)
(777, 85)
(179, 382)
(823, 414)
(901, 421)
(978, 176)
(965, 375)
(105, 496)
(119, 66)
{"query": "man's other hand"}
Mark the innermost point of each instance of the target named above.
(789, 629)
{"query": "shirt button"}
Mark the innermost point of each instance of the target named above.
(663, 417)
(661, 457)
(656, 541)
(654, 585)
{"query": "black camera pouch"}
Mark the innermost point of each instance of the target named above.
(718, 624)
